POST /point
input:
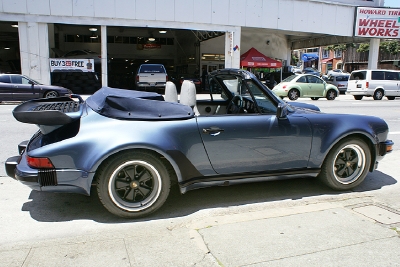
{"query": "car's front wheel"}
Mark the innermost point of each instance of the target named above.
(293, 94)
(51, 94)
(346, 165)
(331, 95)
(133, 184)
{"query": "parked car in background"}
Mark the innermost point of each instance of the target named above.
(313, 71)
(336, 71)
(339, 80)
(305, 85)
(17, 87)
(195, 80)
(151, 77)
(144, 145)
(375, 83)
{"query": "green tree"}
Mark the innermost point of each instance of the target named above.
(392, 47)
(363, 47)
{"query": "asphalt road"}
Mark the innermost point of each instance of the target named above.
(281, 223)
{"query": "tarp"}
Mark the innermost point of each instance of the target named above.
(254, 59)
(136, 105)
(309, 56)
(326, 60)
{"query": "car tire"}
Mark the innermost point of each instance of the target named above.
(51, 94)
(293, 94)
(346, 165)
(378, 95)
(391, 97)
(314, 98)
(331, 95)
(133, 184)
(358, 97)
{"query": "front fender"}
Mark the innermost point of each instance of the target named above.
(329, 129)
(331, 87)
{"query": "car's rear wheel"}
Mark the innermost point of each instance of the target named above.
(378, 95)
(358, 97)
(133, 184)
(314, 98)
(293, 94)
(51, 94)
(331, 95)
(346, 165)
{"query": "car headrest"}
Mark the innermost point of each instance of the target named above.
(188, 93)
(171, 94)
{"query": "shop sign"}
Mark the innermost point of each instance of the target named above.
(79, 65)
(151, 46)
(377, 22)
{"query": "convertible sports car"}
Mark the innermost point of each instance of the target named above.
(134, 145)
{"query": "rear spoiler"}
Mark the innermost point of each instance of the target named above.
(49, 111)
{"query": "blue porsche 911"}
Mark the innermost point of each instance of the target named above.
(134, 145)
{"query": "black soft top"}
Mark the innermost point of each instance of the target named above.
(136, 105)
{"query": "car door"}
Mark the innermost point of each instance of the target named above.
(6, 88)
(24, 89)
(391, 83)
(316, 85)
(397, 80)
(303, 84)
(255, 142)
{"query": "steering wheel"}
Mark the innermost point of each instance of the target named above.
(235, 106)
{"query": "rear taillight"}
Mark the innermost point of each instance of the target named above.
(366, 84)
(137, 78)
(39, 163)
(283, 87)
(166, 77)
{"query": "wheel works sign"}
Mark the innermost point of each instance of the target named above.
(377, 22)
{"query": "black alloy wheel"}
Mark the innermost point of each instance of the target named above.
(346, 165)
(133, 184)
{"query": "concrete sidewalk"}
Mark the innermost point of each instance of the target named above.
(323, 234)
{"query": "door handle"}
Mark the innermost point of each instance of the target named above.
(214, 131)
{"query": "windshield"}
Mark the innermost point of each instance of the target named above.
(359, 75)
(290, 78)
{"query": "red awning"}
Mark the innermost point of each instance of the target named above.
(255, 59)
(326, 60)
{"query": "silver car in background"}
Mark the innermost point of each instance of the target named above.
(339, 80)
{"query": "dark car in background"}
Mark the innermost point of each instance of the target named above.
(311, 70)
(17, 87)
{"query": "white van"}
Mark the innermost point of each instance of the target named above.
(375, 83)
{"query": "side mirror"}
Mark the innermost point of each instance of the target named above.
(281, 111)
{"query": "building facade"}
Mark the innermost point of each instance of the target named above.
(207, 33)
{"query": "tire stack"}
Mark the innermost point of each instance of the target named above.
(77, 82)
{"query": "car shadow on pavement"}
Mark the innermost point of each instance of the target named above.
(58, 207)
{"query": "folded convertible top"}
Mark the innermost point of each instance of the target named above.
(136, 105)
